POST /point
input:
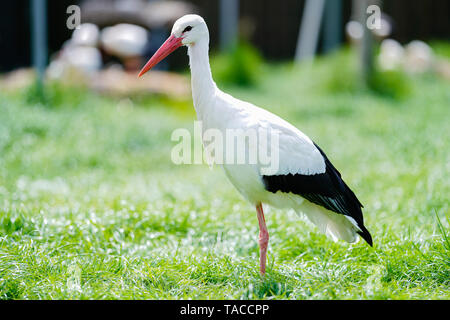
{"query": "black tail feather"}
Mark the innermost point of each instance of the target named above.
(365, 234)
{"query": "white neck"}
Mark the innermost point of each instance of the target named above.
(203, 86)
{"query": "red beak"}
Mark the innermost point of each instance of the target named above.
(169, 46)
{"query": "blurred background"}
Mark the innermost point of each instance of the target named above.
(120, 35)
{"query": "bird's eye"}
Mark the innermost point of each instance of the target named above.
(188, 28)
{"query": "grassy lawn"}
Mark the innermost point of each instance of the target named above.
(91, 206)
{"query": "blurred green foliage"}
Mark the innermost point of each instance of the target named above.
(54, 94)
(339, 72)
(392, 84)
(241, 65)
(441, 48)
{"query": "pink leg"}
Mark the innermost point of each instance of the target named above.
(263, 239)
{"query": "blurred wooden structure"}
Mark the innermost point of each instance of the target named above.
(366, 46)
(275, 26)
(310, 26)
(229, 23)
(319, 17)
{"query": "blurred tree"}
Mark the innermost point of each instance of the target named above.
(332, 31)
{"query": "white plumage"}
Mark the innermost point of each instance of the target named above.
(303, 170)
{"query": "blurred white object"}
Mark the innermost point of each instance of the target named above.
(391, 54)
(124, 40)
(384, 30)
(86, 58)
(354, 31)
(55, 69)
(418, 57)
(86, 35)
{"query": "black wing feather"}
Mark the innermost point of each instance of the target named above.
(325, 189)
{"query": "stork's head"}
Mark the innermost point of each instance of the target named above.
(190, 28)
(187, 30)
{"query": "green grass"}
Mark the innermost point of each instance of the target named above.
(91, 207)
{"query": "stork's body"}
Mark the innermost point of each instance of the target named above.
(305, 179)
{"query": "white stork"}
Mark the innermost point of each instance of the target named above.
(304, 171)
